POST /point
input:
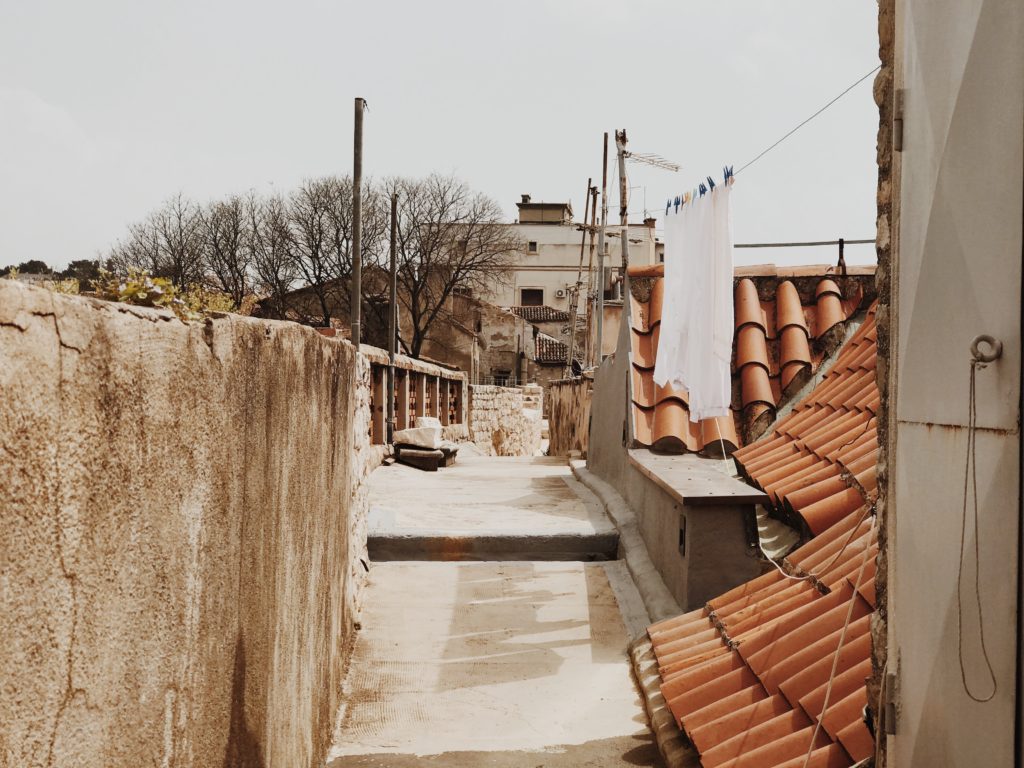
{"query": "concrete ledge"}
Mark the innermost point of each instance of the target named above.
(424, 545)
(657, 599)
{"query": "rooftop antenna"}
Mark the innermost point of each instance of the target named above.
(646, 158)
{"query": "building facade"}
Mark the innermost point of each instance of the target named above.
(545, 271)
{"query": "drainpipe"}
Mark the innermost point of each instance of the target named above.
(356, 296)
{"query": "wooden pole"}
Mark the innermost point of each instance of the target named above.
(600, 251)
(392, 317)
(574, 302)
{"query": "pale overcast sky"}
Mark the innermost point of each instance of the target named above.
(108, 107)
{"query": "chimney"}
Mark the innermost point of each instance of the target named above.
(650, 222)
(526, 199)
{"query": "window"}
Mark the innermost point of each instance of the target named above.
(501, 378)
(531, 297)
(462, 290)
(532, 246)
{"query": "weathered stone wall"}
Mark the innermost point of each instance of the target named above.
(568, 403)
(886, 236)
(181, 517)
(498, 423)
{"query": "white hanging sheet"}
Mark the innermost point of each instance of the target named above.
(695, 341)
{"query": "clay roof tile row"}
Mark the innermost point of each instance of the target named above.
(746, 676)
(775, 350)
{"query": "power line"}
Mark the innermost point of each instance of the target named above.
(805, 122)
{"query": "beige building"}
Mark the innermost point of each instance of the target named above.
(545, 271)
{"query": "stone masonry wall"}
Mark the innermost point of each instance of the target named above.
(498, 424)
(180, 517)
(887, 203)
(569, 420)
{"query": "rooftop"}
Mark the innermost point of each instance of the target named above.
(748, 675)
(540, 314)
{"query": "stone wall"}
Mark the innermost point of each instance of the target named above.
(181, 509)
(568, 403)
(499, 424)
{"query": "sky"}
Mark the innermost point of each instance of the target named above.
(109, 107)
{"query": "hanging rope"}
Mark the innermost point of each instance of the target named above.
(971, 473)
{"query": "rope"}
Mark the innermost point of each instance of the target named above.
(835, 660)
(970, 471)
(805, 122)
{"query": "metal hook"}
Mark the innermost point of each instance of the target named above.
(995, 345)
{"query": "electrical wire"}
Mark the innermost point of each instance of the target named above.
(805, 122)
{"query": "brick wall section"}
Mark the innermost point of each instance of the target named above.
(182, 515)
(497, 422)
(569, 420)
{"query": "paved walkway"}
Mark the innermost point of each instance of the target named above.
(487, 508)
(499, 663)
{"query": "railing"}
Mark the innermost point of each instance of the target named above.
(421, 389)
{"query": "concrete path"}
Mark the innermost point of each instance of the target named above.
(487, 508)
(506, 663)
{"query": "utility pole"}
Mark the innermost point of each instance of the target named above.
(392, 318)
(600, 251)
(620, 145)
(588, 357)
(574, 302)
(356, 296)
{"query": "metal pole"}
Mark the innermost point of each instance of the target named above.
(392, 317)
(356, 296)
(600, 251)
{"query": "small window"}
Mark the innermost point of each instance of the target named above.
(682, 535)
(532, 246)
(462, 290)
(531, 297)
(501, 378)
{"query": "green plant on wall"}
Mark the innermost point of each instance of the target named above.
(141, 289)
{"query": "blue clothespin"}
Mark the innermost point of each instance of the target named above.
(678, 201)
(711, 182)
(702, 189)
(668, 204)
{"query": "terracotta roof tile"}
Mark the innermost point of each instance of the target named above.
(778, 344)
(550, 350)
(746, 677)
(540, 314)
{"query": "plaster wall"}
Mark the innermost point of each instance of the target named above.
(182, 513)
(956, 274)
(555, 264)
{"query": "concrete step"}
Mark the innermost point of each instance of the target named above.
(487, 509)
(394, 545)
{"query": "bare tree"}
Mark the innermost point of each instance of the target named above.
(448, 237)
(272, 248)
(167, 243)
(309, 219)
(227, 252)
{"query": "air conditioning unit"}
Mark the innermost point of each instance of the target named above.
(560, 293)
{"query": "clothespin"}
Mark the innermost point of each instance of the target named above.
(668, 204)
(711, 182)
(703, 189)
(677, 204)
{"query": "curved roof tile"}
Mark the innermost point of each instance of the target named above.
(746, 676)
